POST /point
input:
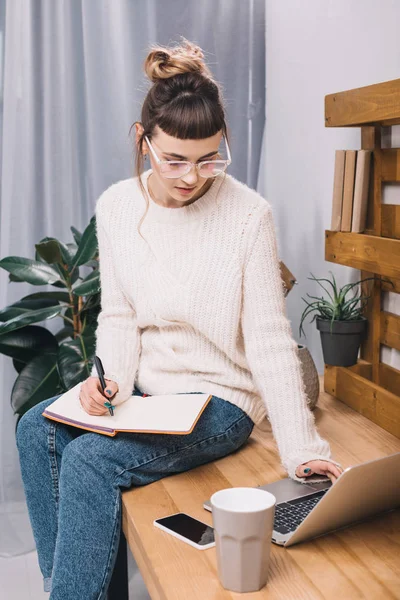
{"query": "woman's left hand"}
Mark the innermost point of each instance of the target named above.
(321, 467)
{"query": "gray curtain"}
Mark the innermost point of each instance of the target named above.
(72, 84)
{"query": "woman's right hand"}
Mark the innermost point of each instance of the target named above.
(92, 397)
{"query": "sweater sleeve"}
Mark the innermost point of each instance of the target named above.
(271, 351)
(117, 336)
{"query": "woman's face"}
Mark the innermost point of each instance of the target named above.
(166, 191)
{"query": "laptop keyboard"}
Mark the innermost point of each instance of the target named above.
(289, 515)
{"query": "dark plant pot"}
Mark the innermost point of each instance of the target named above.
(340, 348)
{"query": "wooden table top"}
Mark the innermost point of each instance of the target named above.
(361, 561)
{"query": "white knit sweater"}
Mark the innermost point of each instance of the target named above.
(200, 306)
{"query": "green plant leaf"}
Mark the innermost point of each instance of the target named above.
(77, 234)
(49, 249)
(318, 280)
(312, 320)
(37, 381)
(349, 286)
(92, 263)
(357, 312)
(29, 317)
(348, 305)
(68, 276)
(322, 301)
(92, 301)
(306, 312)
(14, 278)
(88, 245)
(72, 250)
(89, 285)
(54, 251)
(10, 312)
(21, 306)
(26, 343)
(325, 312)
(334, 287)
(59, 270)
(59, 284)
(38, 257)
(68, 313)
(18, 365)
(90, 310)
(65, 333)
(387, 280)
(74, 358)
(29, 270)
(345, 289)
(58, 296)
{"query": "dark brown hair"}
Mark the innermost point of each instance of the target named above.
(184, 100)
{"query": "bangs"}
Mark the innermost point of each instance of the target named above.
(190, 117)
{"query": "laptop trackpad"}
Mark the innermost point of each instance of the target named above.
(288, 489)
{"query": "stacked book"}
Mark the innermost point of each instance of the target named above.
(350, 190)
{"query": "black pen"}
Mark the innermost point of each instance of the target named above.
(100, 372)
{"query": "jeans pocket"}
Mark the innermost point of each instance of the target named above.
(240, 431)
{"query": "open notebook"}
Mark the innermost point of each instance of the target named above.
(165, 413)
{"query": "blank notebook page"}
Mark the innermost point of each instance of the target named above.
(165, 413)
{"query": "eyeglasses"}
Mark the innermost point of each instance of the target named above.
(173, 169)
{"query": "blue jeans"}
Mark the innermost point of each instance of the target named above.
(73, 480)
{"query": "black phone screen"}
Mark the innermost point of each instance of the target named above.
(190, 528)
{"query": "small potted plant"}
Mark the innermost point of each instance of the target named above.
(340, 321)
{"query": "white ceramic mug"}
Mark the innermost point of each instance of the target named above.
(243, 520)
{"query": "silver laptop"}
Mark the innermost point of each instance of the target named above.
(308, 510)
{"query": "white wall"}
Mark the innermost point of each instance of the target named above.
(314, 48)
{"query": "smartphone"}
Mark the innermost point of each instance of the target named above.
(189, 530)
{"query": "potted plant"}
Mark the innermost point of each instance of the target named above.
(48, 364)
(339, 320)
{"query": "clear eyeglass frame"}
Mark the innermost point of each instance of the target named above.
(223, 164)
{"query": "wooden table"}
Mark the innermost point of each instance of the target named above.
(361, 561)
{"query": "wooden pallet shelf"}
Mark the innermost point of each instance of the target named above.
(378, 255)
(390, 221)
(371, 400)
(370, 386)
(377, 105)
(391, 165)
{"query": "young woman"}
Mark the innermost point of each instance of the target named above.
(192, 301)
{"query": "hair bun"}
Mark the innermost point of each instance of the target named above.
(163, 62)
